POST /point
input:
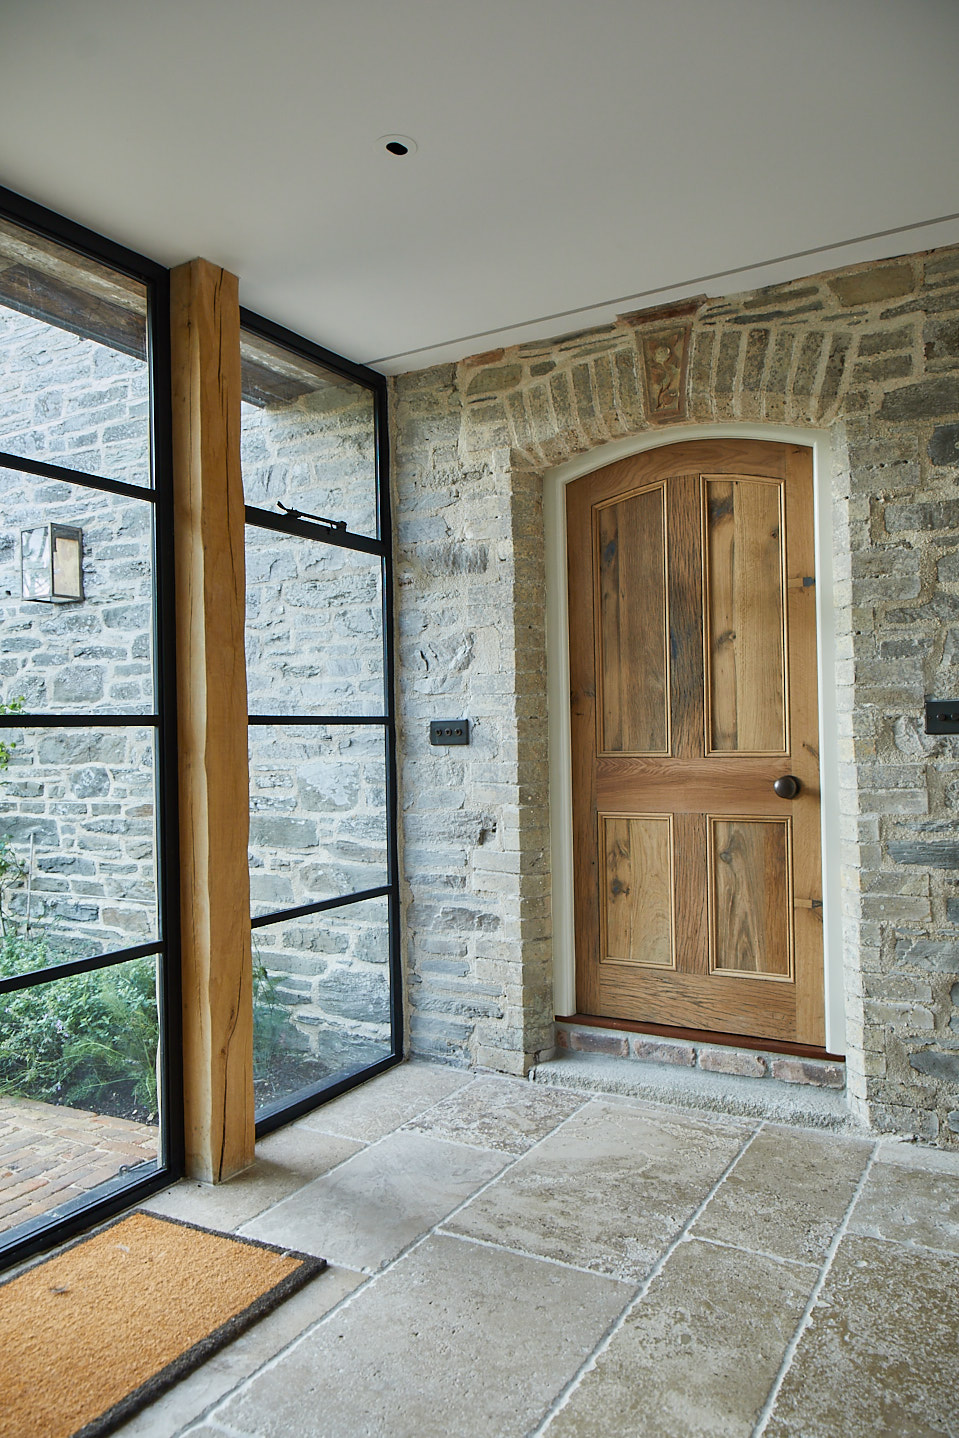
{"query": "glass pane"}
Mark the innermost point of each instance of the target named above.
(94, 654)
(73, 355)
(308, 437)
(750, 862)
(78, 1086)
(77, 842)
(745, 616)
(321, 996)
(317, 814)
(313, 627)
(631, 571)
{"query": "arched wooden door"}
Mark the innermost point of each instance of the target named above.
(693, 685)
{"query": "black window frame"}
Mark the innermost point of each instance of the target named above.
(283, 1111)
(54, 1227)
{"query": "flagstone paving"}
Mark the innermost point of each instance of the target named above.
(516, 1264)
(50, 1154)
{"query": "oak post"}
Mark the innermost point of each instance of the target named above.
(212, 723)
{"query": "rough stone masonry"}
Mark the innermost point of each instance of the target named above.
(871, 354)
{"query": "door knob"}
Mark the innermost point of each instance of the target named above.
(787, 786)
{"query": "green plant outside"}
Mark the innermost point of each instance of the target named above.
(10, 706)
(90, 1040)
(87, 1041)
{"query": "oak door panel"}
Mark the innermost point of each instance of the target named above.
(636, 862)
(630, 600)
(745, 616)
(750, 878)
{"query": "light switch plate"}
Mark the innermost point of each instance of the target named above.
(942, 716)
(449, 731)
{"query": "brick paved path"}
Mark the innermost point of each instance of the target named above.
(50, 1154)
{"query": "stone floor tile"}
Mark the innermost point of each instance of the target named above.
(906, 1154)
(912, 1205)
(375, 1108)
(504, 1114)
(787, 1194)
(190, 1398)
(370, 1208)
(699, 1353)
(608, 1192)
(456, 1341)
(285, 1161)
(879, 1355)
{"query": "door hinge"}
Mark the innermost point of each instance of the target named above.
(807, 903)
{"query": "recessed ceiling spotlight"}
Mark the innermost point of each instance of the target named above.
(397, 145)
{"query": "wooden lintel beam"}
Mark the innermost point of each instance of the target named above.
(212, 723)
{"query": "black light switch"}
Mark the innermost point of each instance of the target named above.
(449, 731)
(942, 716)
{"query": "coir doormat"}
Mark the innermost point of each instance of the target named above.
(89, 1336)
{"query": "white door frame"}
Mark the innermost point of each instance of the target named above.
(557, 650)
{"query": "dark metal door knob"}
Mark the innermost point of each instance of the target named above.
(787, 786)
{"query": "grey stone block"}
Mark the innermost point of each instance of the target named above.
(932, 854)
(885, 367)
(939, 956)
(880, 282)
(78, 685)
(355, 994)
(20, 828)
(929, 399)
(941, 342)
(937, 1065)
(91, 782)
(944, 445)
(64, 864)
(933, 514)
(884, 340)
(328, 786)
(75, 913)
(281, 833)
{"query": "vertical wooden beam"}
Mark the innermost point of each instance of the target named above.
(212, 723)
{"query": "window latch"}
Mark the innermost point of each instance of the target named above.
(316, 518)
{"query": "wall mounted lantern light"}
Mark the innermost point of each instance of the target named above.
(51, 563)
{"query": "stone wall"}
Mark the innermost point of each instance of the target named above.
(82, 801)
(318, 793)
(872, 355)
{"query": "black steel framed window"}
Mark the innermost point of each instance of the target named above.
(319, 644)
(88, 828)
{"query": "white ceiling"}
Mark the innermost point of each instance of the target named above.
(576, 158)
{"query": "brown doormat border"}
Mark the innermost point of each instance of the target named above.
(191, 1358)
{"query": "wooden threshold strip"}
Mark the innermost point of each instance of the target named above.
(703, 1036)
